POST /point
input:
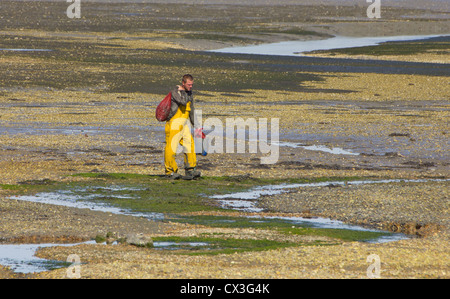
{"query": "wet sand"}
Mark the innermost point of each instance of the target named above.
(88, 105)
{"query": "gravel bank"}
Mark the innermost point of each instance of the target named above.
(411, 208)
(24, 222)
(423, 204)
(405, 259)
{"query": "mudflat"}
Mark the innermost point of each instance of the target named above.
(81, 99)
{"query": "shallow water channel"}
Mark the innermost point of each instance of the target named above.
(20, 257)
(302, 47)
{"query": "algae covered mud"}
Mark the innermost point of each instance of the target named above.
(131, 195)
(212, 229)
(77, 126)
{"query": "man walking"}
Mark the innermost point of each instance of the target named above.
(178, 131)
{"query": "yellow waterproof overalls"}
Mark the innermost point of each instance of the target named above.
(178, 131)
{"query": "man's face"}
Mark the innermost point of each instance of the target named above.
(188, 85)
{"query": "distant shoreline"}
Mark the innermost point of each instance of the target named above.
(417, 4)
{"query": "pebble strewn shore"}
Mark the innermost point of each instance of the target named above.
(64, 113)
(412, 208)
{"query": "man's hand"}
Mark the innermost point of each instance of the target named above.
(199, 133)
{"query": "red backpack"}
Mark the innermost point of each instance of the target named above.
(163, 109)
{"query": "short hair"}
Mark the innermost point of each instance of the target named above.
(187, 77)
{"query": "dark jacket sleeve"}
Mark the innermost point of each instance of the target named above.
(179, 97)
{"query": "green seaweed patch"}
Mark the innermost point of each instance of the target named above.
(341, 234)
(280, 225)
(10, 187)
(30, 187)
(155, 193)
(225, 245)
(232, 222)
(146, 193)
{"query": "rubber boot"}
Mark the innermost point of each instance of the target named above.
(192, 174)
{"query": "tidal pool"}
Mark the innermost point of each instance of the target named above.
(21, 257)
